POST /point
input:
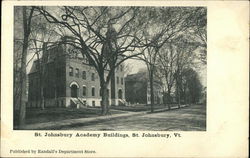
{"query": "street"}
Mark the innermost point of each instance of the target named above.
(191, 118)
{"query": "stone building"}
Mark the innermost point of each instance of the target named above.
(137, 89)
(70, 80)
(158, 94)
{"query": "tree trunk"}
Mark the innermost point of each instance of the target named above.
(56, 94)
(42, 86)
(169, 97)
(105, 98)
(151, 80)
(23, 79)
(178, 93)
(164, 99)
(42, 100)
(184, 94)
(41, 72)
(23, 85)
(43, 75)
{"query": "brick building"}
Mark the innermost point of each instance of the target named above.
(137, 89)
(70, 80)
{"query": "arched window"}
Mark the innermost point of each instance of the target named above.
(73, 91)
(100, 92)
(70, 71)
(84, 75)
(121, 80)
(77, 72)
(117, 80)
(93, 91)
(84, 90)
(108, 92)
(93, 77)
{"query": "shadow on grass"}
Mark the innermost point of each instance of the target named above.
(140, 107)
(166, 109)
(34, 115)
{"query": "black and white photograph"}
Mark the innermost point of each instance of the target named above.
(115, 68)
(130, 78)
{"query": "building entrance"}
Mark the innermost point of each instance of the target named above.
(74, 91)
(120, 94)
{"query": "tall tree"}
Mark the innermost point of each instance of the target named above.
(165, 24)
(192, 89)
(27, 13)
(198, 31)
(166, 66)
(105, 35)
(184, 59)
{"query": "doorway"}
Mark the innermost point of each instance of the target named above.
(74, 90)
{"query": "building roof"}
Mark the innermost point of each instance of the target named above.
(33, 67)
(141, 77)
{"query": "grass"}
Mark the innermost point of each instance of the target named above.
(138, 108)
(34, 115)
(57, 114)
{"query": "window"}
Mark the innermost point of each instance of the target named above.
(84, 91)
(93, 77)
(100, 92)
(71, 71)
(121, 80)
(84, 75)
(117, 80)
(93, 91)
(77, 72)
(93, 103)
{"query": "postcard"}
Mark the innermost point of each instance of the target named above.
(125, 79)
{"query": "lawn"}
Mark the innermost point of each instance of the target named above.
(34, 115)
(138, 108)
(56, 114)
